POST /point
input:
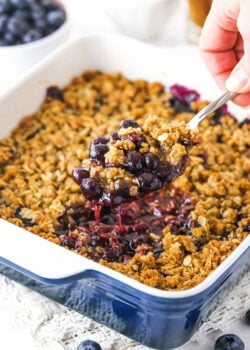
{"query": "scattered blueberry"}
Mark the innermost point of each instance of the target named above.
(25, 21)
(89, 345)
(229, 342)
(247, 316)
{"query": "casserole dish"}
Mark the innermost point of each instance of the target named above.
(159, 319)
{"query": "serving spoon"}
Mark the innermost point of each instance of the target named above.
(211, 107)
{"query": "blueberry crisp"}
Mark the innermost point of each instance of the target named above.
(97, 171)
(134, 161)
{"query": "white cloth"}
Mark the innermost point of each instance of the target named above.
(33, 322)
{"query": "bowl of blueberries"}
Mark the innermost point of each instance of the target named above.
(29, 30)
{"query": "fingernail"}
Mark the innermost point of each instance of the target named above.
(237, 81)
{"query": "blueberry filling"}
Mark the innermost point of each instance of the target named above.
(106, 239)
(133, 162)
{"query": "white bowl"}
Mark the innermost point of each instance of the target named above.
(140, 19)
(17, 59)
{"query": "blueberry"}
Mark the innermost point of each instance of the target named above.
(17, 26)
(32, 35)
(137, 139)
(91, 189)
(150, 161)
(3, 43)
(129, 123)
(99, 140)
(9, 38)
(229, 342)
(5, 6)
(38, 13)
(79, 174)
(19, 3)
(23, 15)
(55, 18)
(55, 93)
(148, 182)
(246, 228)
(3, 23)
(247, 316)
(89, 345)
(122, 188)
(134, 161)
(98, 148)
(98, 151)
(41, 24)
(48, 4)
(30, 3)
(115, 136)
(165, 172)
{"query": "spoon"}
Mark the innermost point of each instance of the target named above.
(211, 107)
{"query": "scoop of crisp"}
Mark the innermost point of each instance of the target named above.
(135, 160)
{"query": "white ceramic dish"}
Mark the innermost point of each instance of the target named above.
(136, 60)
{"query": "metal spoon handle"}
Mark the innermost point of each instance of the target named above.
(211, 107)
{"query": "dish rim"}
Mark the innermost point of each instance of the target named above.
(87, 264)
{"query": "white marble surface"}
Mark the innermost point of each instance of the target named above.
(88, 17)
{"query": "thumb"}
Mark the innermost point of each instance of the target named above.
(239, 79)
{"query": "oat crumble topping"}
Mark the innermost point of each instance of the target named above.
(171, 239)
(134, 161)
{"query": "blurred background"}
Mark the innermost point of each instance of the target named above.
(158, 22)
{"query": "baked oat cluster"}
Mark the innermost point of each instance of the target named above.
(134, 160)
(170, 239)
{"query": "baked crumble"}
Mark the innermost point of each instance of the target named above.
(171, 239)
(134, 161)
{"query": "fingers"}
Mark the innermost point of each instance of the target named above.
(220, 44)
(239, 79)
(225, 46)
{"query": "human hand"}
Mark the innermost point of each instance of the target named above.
(225, 46)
